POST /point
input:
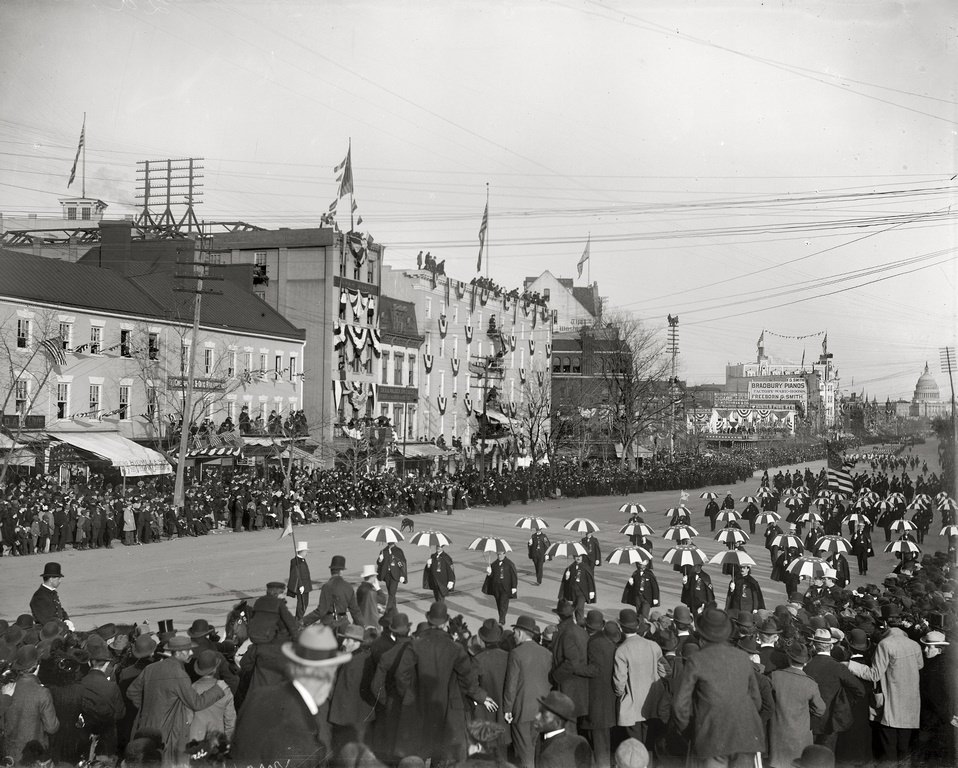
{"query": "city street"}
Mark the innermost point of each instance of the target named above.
(203, 577)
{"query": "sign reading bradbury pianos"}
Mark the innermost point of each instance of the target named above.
(785, 391)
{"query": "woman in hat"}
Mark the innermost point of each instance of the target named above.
(796, 700)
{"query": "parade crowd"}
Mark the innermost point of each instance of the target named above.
(39, 515)
(828, 677)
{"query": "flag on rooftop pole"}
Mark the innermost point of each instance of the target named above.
(76, 159)
(346, 178)
(585, 255)
(482, 233)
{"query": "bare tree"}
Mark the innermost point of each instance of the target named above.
(634, 372)
(530, 426)
(28, 345)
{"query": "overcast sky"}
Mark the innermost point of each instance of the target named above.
(786, 166)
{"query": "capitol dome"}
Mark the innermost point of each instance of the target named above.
(926, 390)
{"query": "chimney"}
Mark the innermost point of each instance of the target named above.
(115, 237)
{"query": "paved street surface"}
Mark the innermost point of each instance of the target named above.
(203, 577)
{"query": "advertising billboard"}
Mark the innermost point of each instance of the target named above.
(785, 391)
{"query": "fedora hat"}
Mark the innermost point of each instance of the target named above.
(206, 663)
(368, 570)
(527, 624)
(628, 620)
(51, 570)
(490, 632)
(316, 647)
(748, 644)
(26, 658)
(559, 704)
(744, 619)
(564, 609)
(438, 614)
(51, 629)
(180, 643)
(143, 647)
(797, 652)
(594, 620)
(352, 631)
(200, 628)
(934, 638)
(338, 563)
(714, 625)
(100, 653)
(823, 636)
(769, 627)
(107, 631)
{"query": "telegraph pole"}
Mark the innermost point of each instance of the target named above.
(949, 365)
(673, 349)
(199, 274)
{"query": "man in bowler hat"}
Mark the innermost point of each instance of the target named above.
(337, 599)
(45, 604)
(559, 748)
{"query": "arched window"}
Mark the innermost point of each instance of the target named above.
(556, 365)
(566, 365)
(577, 365)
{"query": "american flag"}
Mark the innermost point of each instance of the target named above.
(482, 235)
(54, 348)
(838, 472)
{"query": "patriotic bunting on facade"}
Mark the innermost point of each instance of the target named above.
(472, 300)
(548, 349)
(467, 401)
(540, 377)
(468, 333)
(441, 402)
(513, 409)
(484, 296)
(522, 375)
(512, 342)
(455, 366)
(532, 347)
(460, 289)
(427, 362)
(443, 326)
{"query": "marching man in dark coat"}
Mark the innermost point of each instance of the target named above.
(642, 590)
(502, 583)
(337, 599)
(538, 545)
(299, 584)
(391, 571)
(593, 555)
(744, 592)
(45, 604)
(438, 575)
(697, 589)
(578, 587)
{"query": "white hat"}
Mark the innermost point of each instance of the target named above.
(368, 570)
(302, 546)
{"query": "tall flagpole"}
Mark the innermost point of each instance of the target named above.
(588, 266)
(487, 231)
(83, 182)
(352, 213)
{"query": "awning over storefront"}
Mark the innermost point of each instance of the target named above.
(130, 458)
(225, 452)
(499, 417)
(420, 450)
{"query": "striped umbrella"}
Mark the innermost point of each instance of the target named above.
(808, 567)
(732, 536)
(829, 495)
(565, 549)
(920, 503)
(896, 498)
(629, 555)
(728, 516)
(430, 539)
(941, 496)
(490, 544)
(832, 544)
(637, 529)
(732, 557)
(581, 525)
(749, 500)
(949, 530)
(680, 533)
(794, 501)
(764, 518)
(765, 493)
(531, 523)
(904, 546)
(631, 508)
(679, 510)
(809, 517)
(858, 519)
(683, 555)
(710, 495)
(901, 526)
(885, 506)
(947, 504)
(384, 534)
(788, 541)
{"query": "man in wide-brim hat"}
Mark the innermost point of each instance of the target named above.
(278, 722)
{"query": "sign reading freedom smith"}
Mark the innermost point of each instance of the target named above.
(790, 390)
